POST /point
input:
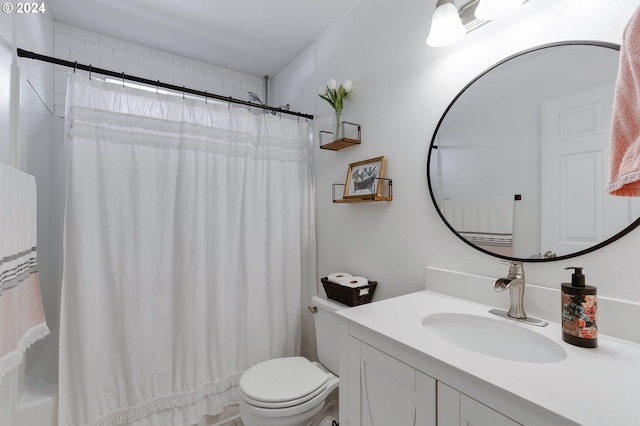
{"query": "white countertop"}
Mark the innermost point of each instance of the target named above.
(591, 386)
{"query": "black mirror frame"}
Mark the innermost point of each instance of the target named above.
(432, 146)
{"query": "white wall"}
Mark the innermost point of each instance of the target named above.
(6, 62)
(295, 85)
(401, 88)
(34, 32)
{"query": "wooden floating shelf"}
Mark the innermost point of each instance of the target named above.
(362, 200)
(339, 144)
(386, 193)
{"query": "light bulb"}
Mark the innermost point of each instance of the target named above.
(446, 27)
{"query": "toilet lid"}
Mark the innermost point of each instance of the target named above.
(282, 380)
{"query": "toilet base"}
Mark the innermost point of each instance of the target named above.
(315, 416)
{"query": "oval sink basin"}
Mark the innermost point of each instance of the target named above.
(493, 337)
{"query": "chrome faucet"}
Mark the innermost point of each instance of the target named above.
(515, 283)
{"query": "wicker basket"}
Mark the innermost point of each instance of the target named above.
(347, 295)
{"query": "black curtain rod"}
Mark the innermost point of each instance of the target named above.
(26, 54)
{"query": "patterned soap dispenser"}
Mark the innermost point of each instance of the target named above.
(579, 311)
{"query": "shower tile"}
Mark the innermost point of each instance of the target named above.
(239, 76)
(151, 63)
(60, 87)
(138, 50)
(234, 84)
(203, 86)
(112, 42)
(163, 56)
(60, 28)
(71, 43)
(130, 58)
(112, 64)
(79, 33)
(99, 49)
(215, 79)
(184, 62)
(62, 52)
(163, 76)
(84, 57)
(173, 69)
(180, 80)
(204, 67)
(138, 71)
(224, 72)
(192, 73)
(86, 47)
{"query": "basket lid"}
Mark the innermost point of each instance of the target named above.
(282, 379)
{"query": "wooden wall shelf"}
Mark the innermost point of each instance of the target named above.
(387, 193)
(339, 144)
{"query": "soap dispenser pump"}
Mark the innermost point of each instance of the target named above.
(579, 311)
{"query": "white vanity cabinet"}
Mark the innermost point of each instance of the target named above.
(457, 409)
(385, 391)
(395, 371)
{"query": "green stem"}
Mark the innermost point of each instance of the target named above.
(338, 130)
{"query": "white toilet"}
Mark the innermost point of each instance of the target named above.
(295, 391)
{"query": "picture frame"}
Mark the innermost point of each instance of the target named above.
(364, 179)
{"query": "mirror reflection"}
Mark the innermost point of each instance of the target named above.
(518, 164)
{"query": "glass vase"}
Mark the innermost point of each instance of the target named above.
(337, 125)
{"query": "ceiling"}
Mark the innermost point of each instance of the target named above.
(257, 37)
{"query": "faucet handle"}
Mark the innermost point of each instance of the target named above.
(515, 267)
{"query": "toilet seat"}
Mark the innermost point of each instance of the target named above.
(282, 382)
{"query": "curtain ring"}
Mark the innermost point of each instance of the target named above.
(122, 78)
(90, 71)
(157, 86)
(75, 65)
(229, 102)
(182, 92)
(206, 97)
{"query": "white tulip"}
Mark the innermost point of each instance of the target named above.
(323, 91)
(332, 84)
(347, 85)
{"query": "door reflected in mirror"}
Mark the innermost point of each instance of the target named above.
(518, 164)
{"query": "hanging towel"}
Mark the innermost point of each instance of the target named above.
(624, 169)
(22, 321)
(485, 222)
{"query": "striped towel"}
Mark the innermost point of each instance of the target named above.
(22, 321)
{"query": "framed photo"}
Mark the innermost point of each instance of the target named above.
(364, 178)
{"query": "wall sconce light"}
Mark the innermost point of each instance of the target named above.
(449, 24)
(446, 26)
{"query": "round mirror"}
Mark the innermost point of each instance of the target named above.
(518, 163)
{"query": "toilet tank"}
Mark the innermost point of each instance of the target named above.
(327, 324)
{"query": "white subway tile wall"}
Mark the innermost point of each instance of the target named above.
(89, 48)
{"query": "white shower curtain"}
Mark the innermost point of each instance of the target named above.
(188, 235)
